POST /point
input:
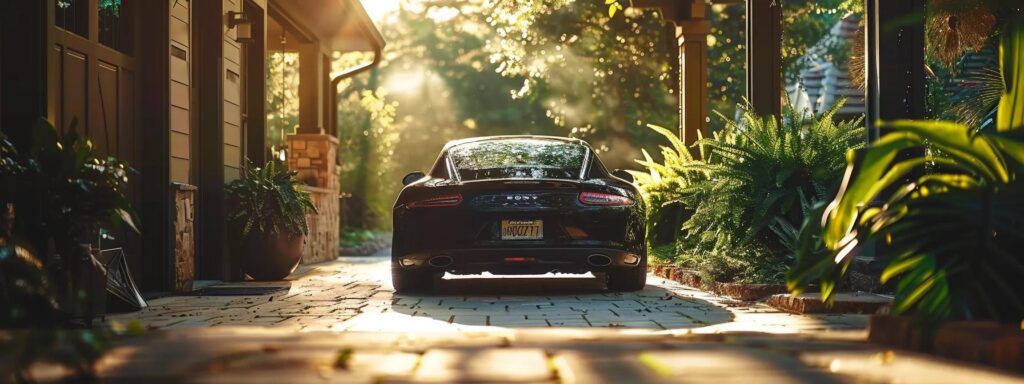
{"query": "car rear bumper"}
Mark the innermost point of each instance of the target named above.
(520, 260)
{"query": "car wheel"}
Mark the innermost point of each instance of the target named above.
(628, 279)
(411, 280)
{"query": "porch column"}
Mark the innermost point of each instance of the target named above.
(693, 91)
(895, 62)
(313, 153)
(311, 88)
(314, 158)
(764, 56)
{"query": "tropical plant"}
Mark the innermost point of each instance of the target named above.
(950, 218)
(268, 200)
(762, 178)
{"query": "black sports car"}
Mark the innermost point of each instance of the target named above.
(518, 205)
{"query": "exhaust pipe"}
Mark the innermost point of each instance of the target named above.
(440, 261)
(599, 260)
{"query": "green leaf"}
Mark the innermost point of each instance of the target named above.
(957, 140)
(1010, 114)
(860, 185)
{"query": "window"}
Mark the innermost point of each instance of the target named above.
(73, 16)
(518, 159)
(115, 29)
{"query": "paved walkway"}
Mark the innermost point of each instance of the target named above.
(355, 294)
(353, 328)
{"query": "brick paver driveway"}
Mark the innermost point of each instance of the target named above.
(355, 294)
(341, 322)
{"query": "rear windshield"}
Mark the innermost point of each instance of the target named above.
(519, 159)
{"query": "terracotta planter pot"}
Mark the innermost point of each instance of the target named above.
(269, 257)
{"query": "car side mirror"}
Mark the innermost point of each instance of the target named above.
(412, 177)
(623, 175)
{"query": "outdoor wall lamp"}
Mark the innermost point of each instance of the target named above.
(242, 25)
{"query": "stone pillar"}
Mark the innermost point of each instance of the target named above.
(693, 90)
(183, 267)
(314, 158)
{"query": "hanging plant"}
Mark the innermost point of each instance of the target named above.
(954, 28)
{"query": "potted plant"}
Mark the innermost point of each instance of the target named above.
(266, 212)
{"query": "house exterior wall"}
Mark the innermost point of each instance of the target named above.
(233, 77)
(180, 84)
(182, 123)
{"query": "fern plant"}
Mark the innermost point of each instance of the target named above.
(662, 185)
(761, 176)
(268, 200)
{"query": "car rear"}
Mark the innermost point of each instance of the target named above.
(495, 209)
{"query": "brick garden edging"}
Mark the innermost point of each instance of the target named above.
(843, 302)
(744, 292)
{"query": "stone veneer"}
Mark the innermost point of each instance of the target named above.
(183, 270)
(314, 158)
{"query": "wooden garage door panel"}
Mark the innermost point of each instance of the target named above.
(103, 122)
(127, 150)
(74, 93)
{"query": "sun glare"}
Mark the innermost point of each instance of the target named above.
(378, 9)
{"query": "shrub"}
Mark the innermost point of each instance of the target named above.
(761, 178)
(662, 186)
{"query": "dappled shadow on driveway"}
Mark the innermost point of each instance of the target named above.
(557, 302)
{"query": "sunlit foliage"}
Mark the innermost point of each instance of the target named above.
(601, 79)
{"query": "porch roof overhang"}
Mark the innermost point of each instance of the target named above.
(339, 25)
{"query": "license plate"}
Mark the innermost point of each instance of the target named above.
(522, 229)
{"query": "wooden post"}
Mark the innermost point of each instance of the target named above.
(693, 90)
(895, 62)
(764, 56)
(692, 28)
(212, 262)
(311, 88)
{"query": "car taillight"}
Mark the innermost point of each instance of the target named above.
(440, 201)
(606, 199)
